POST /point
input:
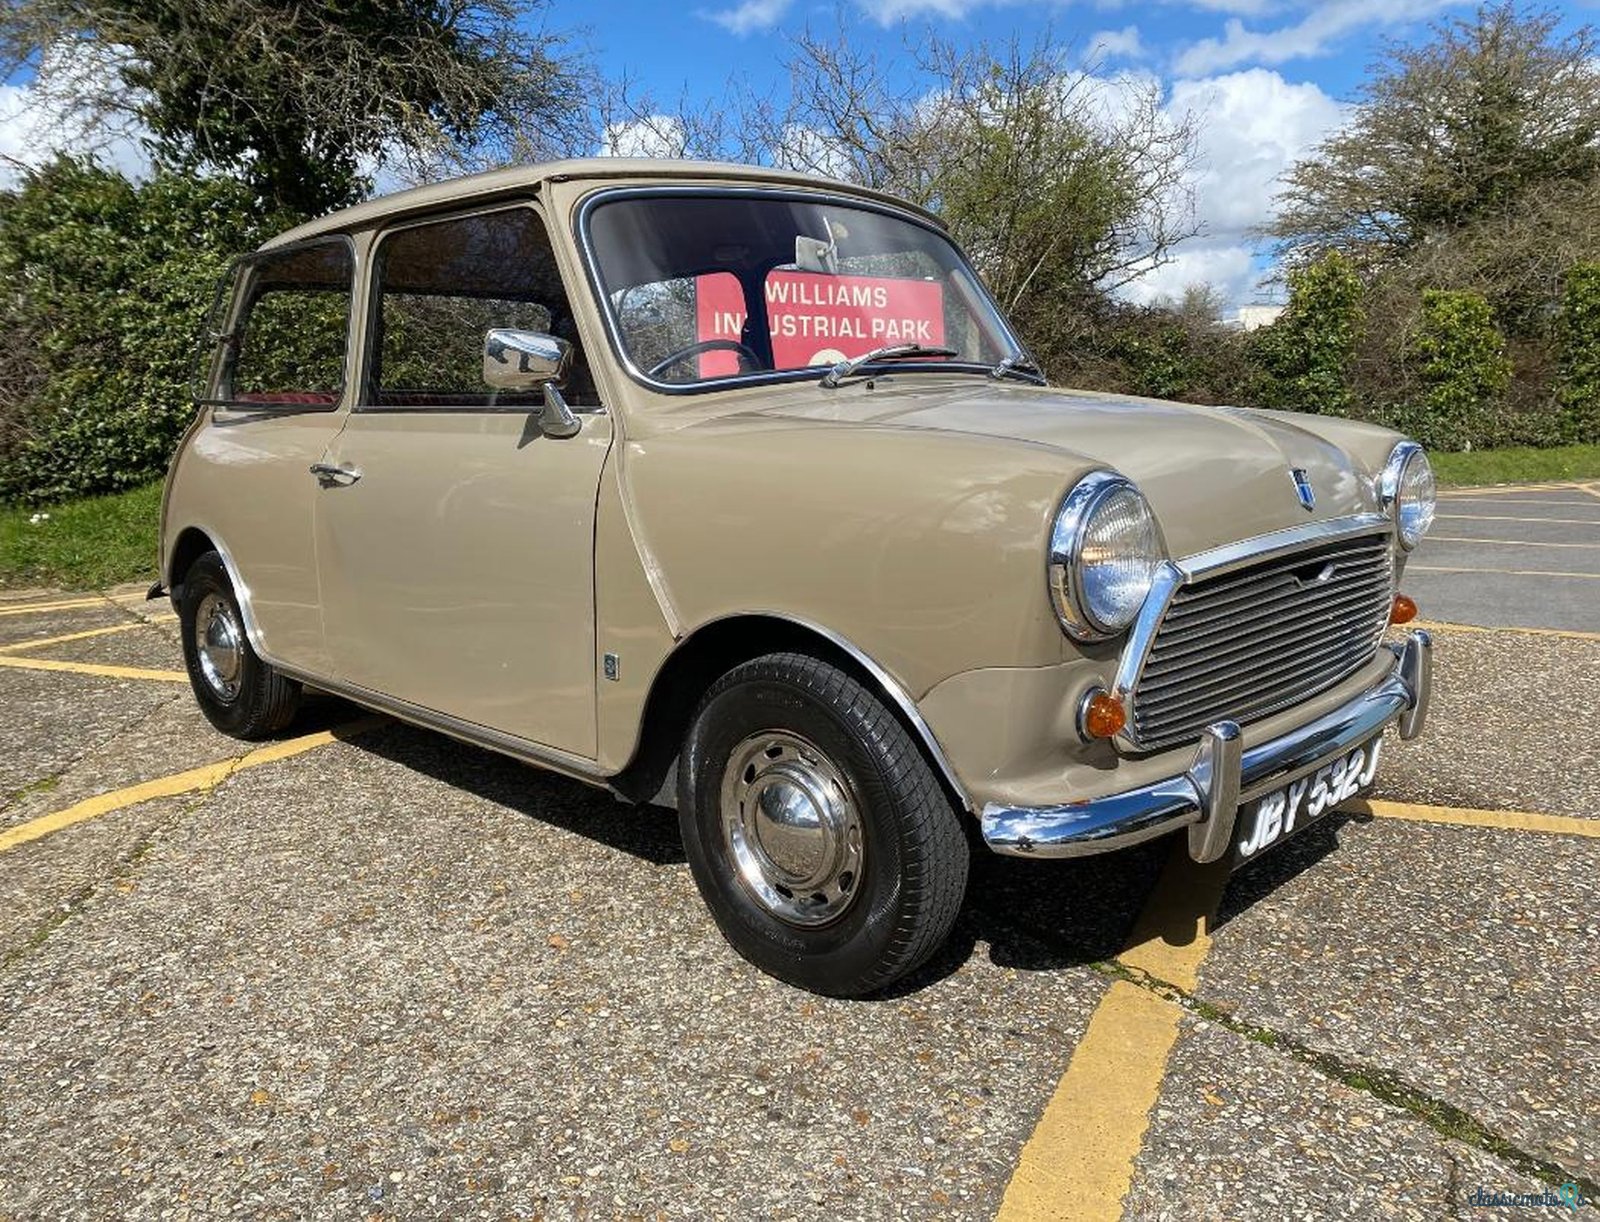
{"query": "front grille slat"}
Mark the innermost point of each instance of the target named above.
(1269, 604)
(1287, 618)
(1156, 685)
(1255, 640)
(1243, 686)
(1226, 588)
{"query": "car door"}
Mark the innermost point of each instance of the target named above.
(276, 402)
(455, 538)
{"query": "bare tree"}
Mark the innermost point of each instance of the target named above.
(1058, 180)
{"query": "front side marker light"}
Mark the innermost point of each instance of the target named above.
(1101, 715)
(1403, 611)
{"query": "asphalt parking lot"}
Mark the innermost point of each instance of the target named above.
(367, 971)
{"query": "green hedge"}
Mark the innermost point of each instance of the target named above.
(107, 284)
(1460, 360)
(1579, 386)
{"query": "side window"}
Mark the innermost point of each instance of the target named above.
(287, 344)
(441, 287)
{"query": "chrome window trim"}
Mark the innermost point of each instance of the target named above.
(365, 400)
(770, 377)
(229, 284)
(1175, 574)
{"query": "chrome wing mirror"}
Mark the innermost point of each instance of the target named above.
(531, 360)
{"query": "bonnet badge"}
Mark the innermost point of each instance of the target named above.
(1302, 487)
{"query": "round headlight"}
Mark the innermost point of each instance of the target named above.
(1408, 492)
(1104, 553)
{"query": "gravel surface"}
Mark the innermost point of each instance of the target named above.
(399, 977)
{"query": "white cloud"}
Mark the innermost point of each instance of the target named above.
(1115, 44)
(812, 151)
(1313, 35)
(750, 16)
(31, 131)
(650, 136)
(1229, 267)
(1254, 125)
(887, 12)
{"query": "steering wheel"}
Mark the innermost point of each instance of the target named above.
(705, 345)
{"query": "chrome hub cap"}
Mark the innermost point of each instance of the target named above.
(219, 645)
(792, 828)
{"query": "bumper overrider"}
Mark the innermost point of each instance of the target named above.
(1206, 796)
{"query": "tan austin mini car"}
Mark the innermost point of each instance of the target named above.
(732, 489)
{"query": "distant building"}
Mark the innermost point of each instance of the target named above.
(1252, 316)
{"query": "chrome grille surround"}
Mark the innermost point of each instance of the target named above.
(1191, 661)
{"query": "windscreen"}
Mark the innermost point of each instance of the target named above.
(704, 286)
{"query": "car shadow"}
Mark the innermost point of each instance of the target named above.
(1032, 915)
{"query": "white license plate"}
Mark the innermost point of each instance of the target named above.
(1276, 816)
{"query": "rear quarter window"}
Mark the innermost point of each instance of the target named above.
(286, 345)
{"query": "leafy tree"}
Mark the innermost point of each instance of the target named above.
(106, 284)
(1449, 134)
(299, 100)
(1309, 348)
(1580, 354)
(1460, 359)
(1061, 184)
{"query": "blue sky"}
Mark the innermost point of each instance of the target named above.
(1270, 78)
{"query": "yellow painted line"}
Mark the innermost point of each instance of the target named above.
(93, 668)
(1079, 1161)
(1505, 542)
(1503, 489)
(1463, 816)
(1435, 568)
(19, 646)
(1515, 500)
(1487, 517)
(1438, 626)
(1172, 935)
(203, 779)
(35, 608)
(71, 604)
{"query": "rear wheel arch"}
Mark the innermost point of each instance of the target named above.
(194, 542)
(715, 648)
(191, 544)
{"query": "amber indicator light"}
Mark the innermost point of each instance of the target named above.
(1403, 611)
(1103, 716)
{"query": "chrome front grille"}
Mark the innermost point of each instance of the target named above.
(1254, 640)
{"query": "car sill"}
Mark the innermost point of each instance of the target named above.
(526, 751)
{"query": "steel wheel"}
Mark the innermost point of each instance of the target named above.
(219, 646)
(792, 828)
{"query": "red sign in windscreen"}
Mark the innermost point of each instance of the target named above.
(818, 319)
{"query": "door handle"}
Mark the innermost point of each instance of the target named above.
(339, 477)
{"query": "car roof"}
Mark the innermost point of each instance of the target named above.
(524, 178)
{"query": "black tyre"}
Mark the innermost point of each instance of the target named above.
(815, 828)
(239, 693)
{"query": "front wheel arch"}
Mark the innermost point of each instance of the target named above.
(715, 648)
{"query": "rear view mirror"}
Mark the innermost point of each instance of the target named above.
(524, 360)
(529, 360)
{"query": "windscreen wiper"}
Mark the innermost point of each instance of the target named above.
(892, 352)
(1020, 365)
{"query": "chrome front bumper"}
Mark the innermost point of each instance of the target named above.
(1206, 796)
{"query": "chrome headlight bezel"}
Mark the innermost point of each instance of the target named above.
(1070, 596)
(1411, 512)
